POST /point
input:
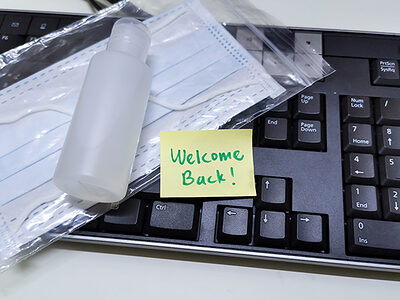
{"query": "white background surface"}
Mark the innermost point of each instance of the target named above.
(76, 271)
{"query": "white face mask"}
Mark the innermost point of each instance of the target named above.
(193, 59)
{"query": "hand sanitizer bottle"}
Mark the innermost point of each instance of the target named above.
(100, 147)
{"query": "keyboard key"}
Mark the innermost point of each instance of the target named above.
(231, 30)
(15, 24)
(388, 140)
(274, 34)
(387, 111)
(362, 201)
(358, 138)
(357, 109)
(389, 167)
(66, 21)
(248, 39)
(8, 42)
(309, 232)
(385, 72)
(374, 237)
(41, 26)
(308, 106)
(234, 225)
(309, 135)
(271, 229)
(272, 193)
(282, 110)
(391, 203)
(360, 168)
(30, 38)
(257, 55)
(174, 220)
(91, 226)
(128, 218)
(275, 132)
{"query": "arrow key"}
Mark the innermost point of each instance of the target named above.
(271, 229)
(362, 201)
(273, 193)
(391, 203)
(234, 225)
(360, 168)
(388, 139)
(309, 232)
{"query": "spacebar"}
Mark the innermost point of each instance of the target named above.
(374, 238)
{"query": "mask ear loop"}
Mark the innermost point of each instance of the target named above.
(30, 211)
(11, 118)
(203, 97)
(26, 214)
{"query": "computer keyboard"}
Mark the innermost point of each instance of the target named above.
(326, 165)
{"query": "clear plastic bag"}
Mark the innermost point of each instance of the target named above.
(40, 83)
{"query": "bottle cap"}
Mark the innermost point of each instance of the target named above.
(130, 36)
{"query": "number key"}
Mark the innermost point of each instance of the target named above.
(362, 201)
(390, 170)
(357, 137)
(388, 140)
(360, 168)
(391, 203)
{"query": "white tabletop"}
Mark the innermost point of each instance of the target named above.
(78, 271)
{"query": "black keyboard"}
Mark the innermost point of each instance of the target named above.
(326, 166)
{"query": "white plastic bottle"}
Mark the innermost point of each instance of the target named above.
(100, 147)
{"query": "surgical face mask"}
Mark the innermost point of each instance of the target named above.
(201, 79)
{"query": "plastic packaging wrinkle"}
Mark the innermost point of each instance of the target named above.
(202, 79)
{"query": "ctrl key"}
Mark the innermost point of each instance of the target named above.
(174, 220)
(373, 237)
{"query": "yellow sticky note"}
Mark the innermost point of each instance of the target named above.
(207, 163)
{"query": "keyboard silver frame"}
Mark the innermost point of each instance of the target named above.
(232, 253)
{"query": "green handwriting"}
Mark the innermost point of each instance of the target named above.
(188, 179)
(191, 158)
